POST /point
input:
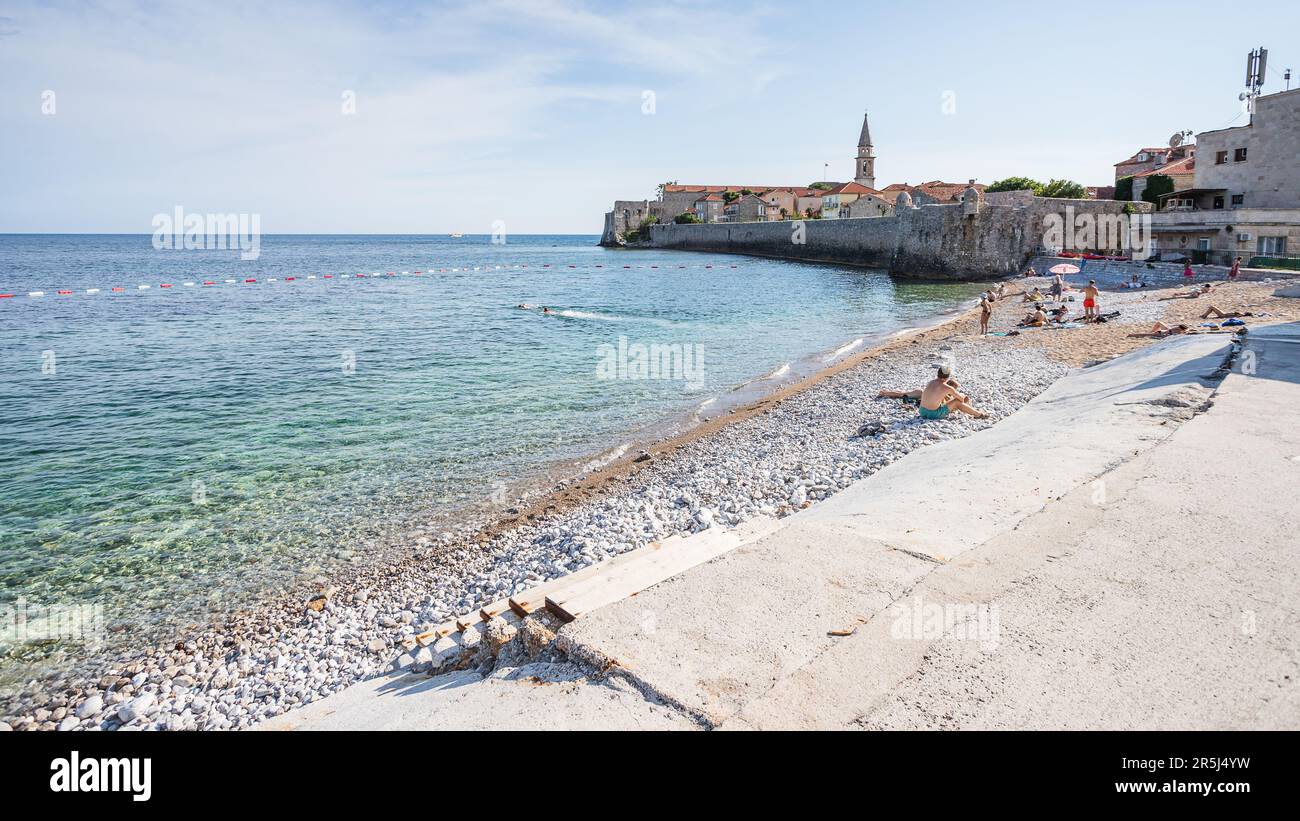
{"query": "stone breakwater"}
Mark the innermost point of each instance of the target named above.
(930, 242)
(804, 449)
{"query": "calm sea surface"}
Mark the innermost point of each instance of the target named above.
(166, 452)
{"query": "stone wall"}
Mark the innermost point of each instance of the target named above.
(931, 242)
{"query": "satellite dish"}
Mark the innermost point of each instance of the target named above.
(1176, 140)
(1242, 96)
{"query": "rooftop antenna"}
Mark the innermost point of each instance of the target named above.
(1256, 66)
(1286, 75)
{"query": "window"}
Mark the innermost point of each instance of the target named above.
(1218, 203)
(1220, 158)
(1203, 244)
(1239, 155)
(1271, 246)
(1238, 199)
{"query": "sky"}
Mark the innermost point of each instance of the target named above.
(534, 115)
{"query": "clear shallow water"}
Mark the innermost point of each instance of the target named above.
(194, 448)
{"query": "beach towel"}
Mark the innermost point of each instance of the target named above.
(1233, 321)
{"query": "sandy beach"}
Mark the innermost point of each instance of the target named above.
(782, 453)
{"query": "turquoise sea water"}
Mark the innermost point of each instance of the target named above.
(183, 450)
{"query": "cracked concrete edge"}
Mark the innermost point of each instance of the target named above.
(600, 668)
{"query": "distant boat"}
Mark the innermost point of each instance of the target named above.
(457, 236)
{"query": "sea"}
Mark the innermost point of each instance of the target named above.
(185, 432)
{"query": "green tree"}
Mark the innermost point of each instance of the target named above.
(641, 232)
(1064, 189)
(821, 186)
(730, 196)
(1015, 184)
(1124, 189)
(1157, 184)
(685, 217)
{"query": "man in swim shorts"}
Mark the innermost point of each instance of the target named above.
(1090, 295)
(938, 397)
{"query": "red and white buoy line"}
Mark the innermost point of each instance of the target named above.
(246, 281)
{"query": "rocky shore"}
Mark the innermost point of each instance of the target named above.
(782, 454)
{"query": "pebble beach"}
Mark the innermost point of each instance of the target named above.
(772, 458)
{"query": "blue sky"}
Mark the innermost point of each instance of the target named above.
(531, 111)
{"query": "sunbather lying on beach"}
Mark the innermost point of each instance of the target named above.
(1214, 313)
(938, 397)
(1192, 294)
(1160, 330)
(1033, 296)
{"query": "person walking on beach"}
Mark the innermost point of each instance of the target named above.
(1188, 273)
(1235, 270)
(1058, 286)
(1090, 295)
(986, 311)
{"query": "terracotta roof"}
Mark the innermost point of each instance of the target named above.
(710, 198)
(709, 189)
(1186, 165)
(852, 188)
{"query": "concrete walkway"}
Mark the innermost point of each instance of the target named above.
(1113, 555)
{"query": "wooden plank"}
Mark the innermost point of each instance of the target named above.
(468, 620)
(496, 608)
(534, 599)
(630, 578)
(442, 630)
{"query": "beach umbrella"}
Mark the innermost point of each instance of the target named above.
(1064, 268)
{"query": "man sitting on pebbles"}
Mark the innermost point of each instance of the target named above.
(939, 396)
(1037, 319)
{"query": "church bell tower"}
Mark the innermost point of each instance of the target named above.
(866, 162)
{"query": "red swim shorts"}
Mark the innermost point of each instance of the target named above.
(1090, 303)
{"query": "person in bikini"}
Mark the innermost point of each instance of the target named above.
(939, 396)
(986, 311)
(1160, 330)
